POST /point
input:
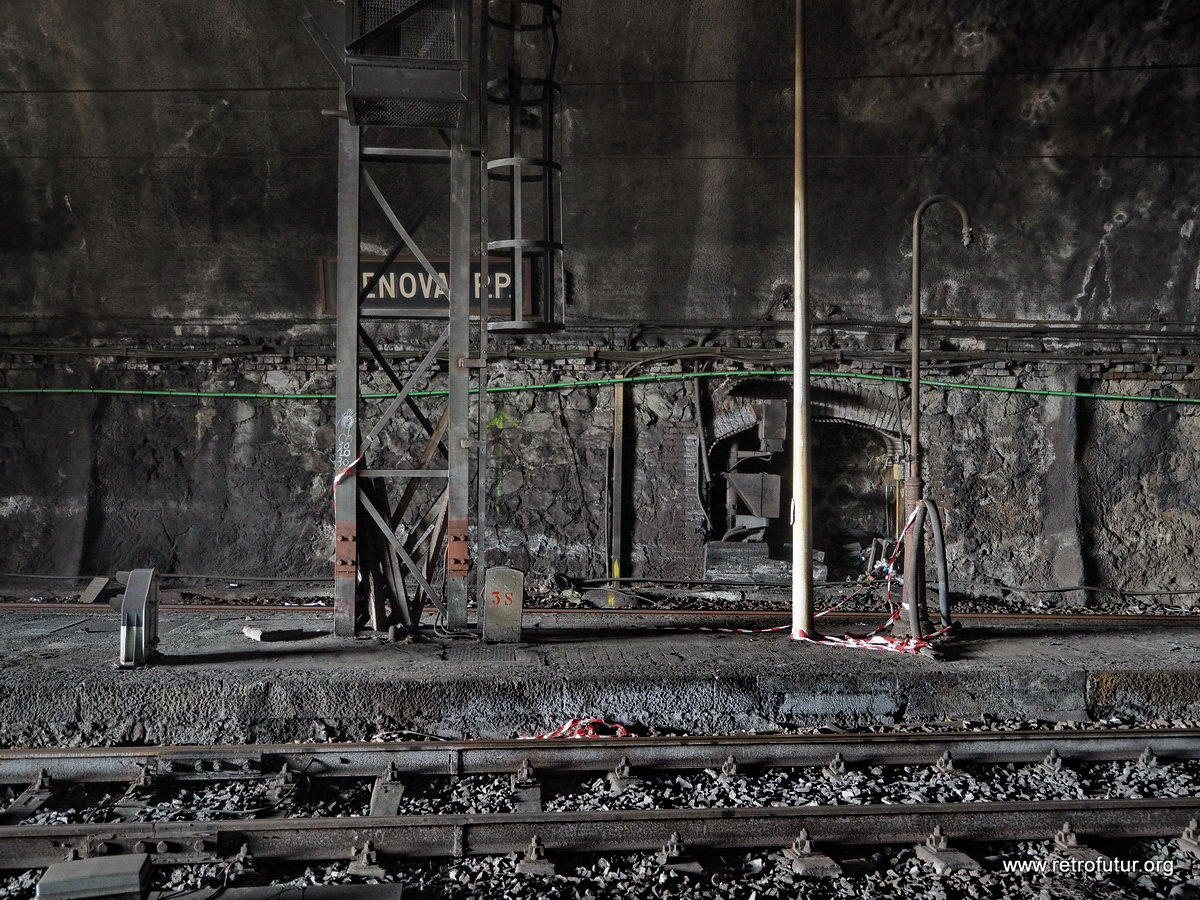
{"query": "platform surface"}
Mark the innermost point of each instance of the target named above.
(214, 684)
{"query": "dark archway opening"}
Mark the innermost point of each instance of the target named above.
(854, 493)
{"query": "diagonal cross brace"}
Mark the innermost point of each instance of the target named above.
(426, 361)
(418, 221)
(431, 446)
(390, 536)
(395, 380)
(403, 232)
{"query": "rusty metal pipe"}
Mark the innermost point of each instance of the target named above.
(915, 616)
(914, 485)
(939, 554)
(914, 399)
(617, 489)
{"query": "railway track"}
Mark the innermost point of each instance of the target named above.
(760, 617)
(535, 769)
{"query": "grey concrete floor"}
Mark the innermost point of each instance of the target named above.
(213, 684)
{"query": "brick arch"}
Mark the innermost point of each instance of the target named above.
(861, 405)
(895, 443)
(871, 406)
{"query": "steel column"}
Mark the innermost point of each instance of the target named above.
(345, 497)
(458, 433)
(483, 407)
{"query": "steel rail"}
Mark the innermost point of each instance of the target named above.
(779, 614)
(171, 843)
(433, 758)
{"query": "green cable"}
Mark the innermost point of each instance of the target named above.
(636, 379)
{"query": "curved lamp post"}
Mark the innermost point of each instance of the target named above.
(914, 485)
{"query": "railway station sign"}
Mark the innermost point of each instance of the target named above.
(406, 289)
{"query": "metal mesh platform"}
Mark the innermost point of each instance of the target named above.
(429, 35)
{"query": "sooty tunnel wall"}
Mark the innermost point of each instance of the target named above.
(169, 187)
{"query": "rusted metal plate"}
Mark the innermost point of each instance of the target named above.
(759, 491)
(96, 587)
(458, 548)
(345, 550)
(501, 605)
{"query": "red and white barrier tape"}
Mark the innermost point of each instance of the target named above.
(874, 640)
(879, 639)
(345, 473)
(582, 728)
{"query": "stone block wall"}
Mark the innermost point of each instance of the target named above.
(1037, 491)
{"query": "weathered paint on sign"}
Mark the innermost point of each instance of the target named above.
(502, 604)
(406, 288)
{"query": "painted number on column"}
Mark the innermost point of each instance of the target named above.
(344, 452)
(502, 599)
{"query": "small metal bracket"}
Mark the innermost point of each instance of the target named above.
(938, 853)
(139, 619)
(345, 549)
(808, 863)
(622, 778)
(674, 856)
(729, 770)
(137, 795)
(527, 789)
(524, 776)
(1066, 844)
(458, 549)
(365, 862)
(281, 787)
(1189, 841)
(1053, 763)
(243, 863)
(466, 362)
(836, 770)
(535, 861)
(387, 792)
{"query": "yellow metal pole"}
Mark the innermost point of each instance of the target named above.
(802, 583)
